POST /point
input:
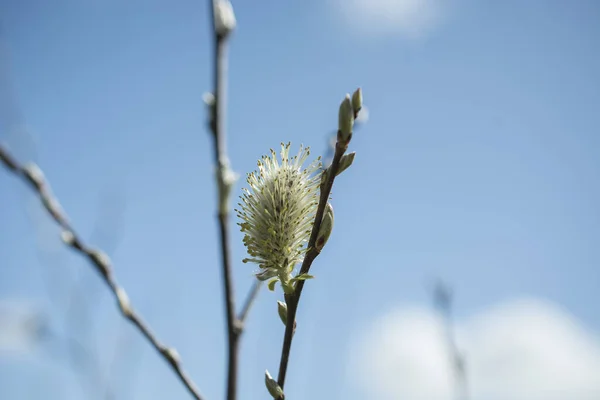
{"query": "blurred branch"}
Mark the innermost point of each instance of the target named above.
(32, 175)
(120, 363)
(442, 297)
(254, 291)
(223, 23)
(84, 362)
(81, 359)
(79, 310)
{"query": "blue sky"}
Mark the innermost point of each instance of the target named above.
(478, 165)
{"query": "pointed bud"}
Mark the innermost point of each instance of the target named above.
(226, 178)
(172, 354)
(101, 260)
(67, 237)
(34, 174)
(325, 228)
(282, 311)
(357, 101)
(124, 303)
(345, 162)
(224, 17)
(273, 387)
(346, 119)
(209, 99)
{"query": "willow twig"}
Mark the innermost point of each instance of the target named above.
(35, 178)
(293, 299)
(221, 28)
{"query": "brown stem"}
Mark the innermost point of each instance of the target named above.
(293, 299)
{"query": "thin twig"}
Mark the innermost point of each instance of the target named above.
(252, 294)
(79, 312)
(224, 183)
(118, 364)
(80, 359)
(84, 361)
(443, 300)
(34, 176)
(293, 299)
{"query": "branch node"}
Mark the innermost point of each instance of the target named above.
(101, 260)
(172, 355)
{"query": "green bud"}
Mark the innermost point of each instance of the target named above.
(325, 228)
(346, 119)
(345, 162)
(282, 311)
(357, 101)
(273, 387)
(224, 17)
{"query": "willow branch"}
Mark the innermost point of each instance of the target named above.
(32, 175)
(223, 22)
(293, 299)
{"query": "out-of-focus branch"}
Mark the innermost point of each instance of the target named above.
(120, 382)
(83, 361)
(79, 310)
(250, 299)
(442, 296)
(99, 260)
(223, 23)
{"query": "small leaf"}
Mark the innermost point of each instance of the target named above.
(271, 284)
(345, 162)
(302, 277)
(265, 274)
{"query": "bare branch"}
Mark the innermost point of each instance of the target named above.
(442, 297)
(222, 24)
(34, 176)
(221, 27)
(252, 295)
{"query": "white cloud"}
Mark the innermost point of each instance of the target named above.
(412, 19)
(521, 350)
